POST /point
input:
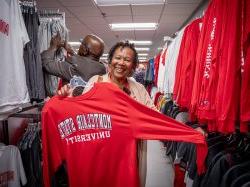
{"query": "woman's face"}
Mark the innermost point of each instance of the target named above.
(122, 63)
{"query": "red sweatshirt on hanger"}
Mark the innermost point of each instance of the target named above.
(245, 69)
(215, 97)
(187, 62)
(96, 135)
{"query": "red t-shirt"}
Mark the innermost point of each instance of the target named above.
(156, 68)
(96, 134)
(245, 71)
(186, 62)
(215, 96)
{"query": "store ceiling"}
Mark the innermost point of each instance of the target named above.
(84, 17)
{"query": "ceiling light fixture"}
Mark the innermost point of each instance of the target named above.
(142, 58)
(142, 42)
(104, 54)
(142, 49)
(103, 58)
(142, 54)
(127, 2)
(133, 26)
(74, 43)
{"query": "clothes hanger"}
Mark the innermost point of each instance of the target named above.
(78, 85)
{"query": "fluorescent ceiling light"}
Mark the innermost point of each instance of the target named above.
(74, 43)
(142, 58)
(103, 58)
(133, 26)
(105, 54)
(142, 42)
(142, 54)
(127, 2)
(142, 49)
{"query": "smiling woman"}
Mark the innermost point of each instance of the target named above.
(123, 59)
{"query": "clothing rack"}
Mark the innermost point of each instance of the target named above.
(28, 3)
(52, 14)
(34, 116)
(28, 6)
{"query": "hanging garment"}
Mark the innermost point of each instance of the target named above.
(171, 61)
(49, 28)
(215, 95)
(13, 37)
(30, 149)
(32, 58)
(156, 68)
(161, 70)
(98, 143)
(245, 69)
(149, 77)
(187, 63)
(11, 167)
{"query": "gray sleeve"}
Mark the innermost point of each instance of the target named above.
(63, 69)
(21, 171)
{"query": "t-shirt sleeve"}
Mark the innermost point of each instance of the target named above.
(150, 124)
(20, 171)
(22, 28)
(51, 146)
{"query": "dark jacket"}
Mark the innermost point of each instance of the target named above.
(84, 67)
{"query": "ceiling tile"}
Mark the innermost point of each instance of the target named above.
(176, 19)
(140, 10)
(98, 28)
(84, 11)
(183, 1)
(125, 35)
(116, 10)
(168, 31)
(144, 35)
(93, 20)
(146, 19)
(69, 3)
(77, 33)
(72, 22)
(84, 17)
(60, 9)
(42, 3)
(180, 9)
(119, 19)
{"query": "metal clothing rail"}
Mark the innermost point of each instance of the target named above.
(51, 13)
(19, 114)
(31, 3)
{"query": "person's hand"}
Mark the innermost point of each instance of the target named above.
(65, 91)
(201, 131)
(69, 49)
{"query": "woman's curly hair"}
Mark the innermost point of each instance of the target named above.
(122, 45)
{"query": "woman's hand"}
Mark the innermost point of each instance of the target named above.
(201, 131)
(65, 91)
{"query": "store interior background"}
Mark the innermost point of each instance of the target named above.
(84, 17)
